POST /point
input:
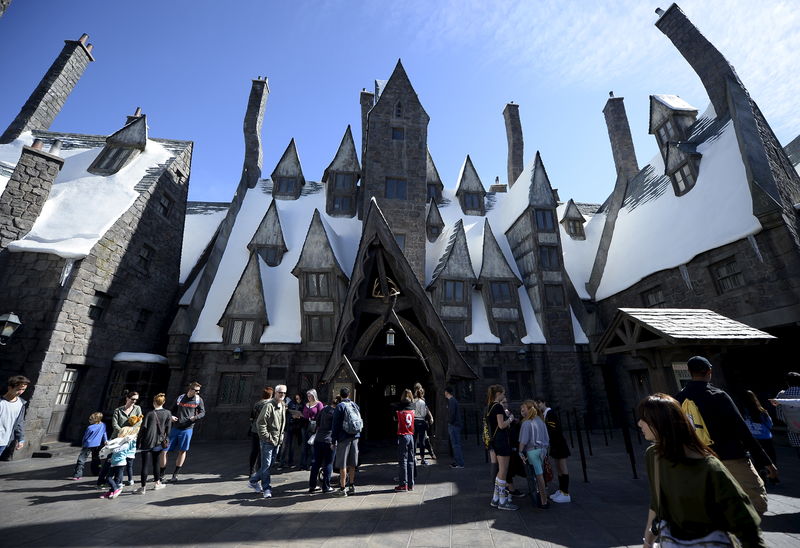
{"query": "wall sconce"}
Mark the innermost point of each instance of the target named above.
(237, 353)
(390, 337)
(521, 354)
(9, 323)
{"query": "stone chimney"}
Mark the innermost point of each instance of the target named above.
(253, 120)
(619, 133)
(136, 115)
(367, 100)
(27, 190)
(46, 101)
(709, 64)
(515, 146)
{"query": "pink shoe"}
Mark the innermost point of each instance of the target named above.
(106, 495)
(76, 478)
(115, 494)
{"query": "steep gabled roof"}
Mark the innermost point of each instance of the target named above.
(269, 231)
(434, 218)
(247, 300)
(468, 179)
(431, 173)
(317, 250)
(346, 158)
(394, 85)
(572, 212)
(541, 193)
(289, 164)
(455, 262)
(661, 104)
(493, 262)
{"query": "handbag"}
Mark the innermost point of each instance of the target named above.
(487, 438)
(162, 436)
(547, 467)
(665, 539)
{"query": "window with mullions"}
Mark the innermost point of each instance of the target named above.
(727, 275)
(241, 331)
(545, 221)
(520, 385)
(319, 327)
(99, 305)
(683, 179)
(453, 292)
(501, 294)
(548, 257)
(285, 185)
(575, 228)
(110, 160)
(317, 285)
(343, 181)
(398, 134)
(341, 203)
(472, 201)
(666, 133)
(654, 298)
(235, 389)
(395, 189)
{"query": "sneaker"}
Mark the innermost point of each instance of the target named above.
(351, 490)
(140, 491)
(158, 485)
(494, 503)
(410, 487)
(267, 494)
(516, 493)
(75, 478)
(174, 479)
(423, 463)
(311, 490)
(326, 491)
(401, 488)
(339, 492)
(106, 495)
(255, 487)
(129, 483)
(456, 466)
(114, 494)
(560, 497)
(507, 506)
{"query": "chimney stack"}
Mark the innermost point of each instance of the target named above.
(27, 190)
(367, 101)
(619, 133)
(253, 121)
(515, 146)
(46, 101)
(136, 115)
(706, 60)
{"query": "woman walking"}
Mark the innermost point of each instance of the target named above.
(693, 497)
(533, 445)
(153, 439)
(759, 423)
(405, 415)
(421, 417)
(119, 419)
(499, 444)
(323, 449)
(310, 411)
(255, 443)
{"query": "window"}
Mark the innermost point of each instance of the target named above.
(548, 257)
(654, 298)
(453, 292)
(456, 330)
(395, 189)
(520, 385)
(575, 228)
(341, 203)
(553, 295)
(241, 331)
(317, 286)
(508, 332)
(272, 254)
(433, 192)
(67, 386)
(472, 201)
(146, 254)
(501, 294)
(111, 159)
(401, 240)
(235, 389)
(666, 133)
(683, 179)
(398, 110)
(545, 221)
(286, 185)
(398, 134)
(165, 204)
(142, 319)
(99, 305)
(124, 379)
(343, 181)
(320, 328)
(727, 275)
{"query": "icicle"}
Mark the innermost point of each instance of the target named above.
(754, 243)
(685, 274)
(66, 271)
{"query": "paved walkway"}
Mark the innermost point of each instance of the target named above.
(213, 507)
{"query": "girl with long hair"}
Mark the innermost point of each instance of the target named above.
(759, 423)
(497, 423)
(533, 445)
(693, 497)
(153, 434)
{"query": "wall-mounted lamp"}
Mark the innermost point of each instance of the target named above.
(237, 353)
(521, 354)
(9, 323)
(390, 337)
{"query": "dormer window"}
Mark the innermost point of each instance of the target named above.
(240, 331)
(111, 159)
(472, 201)
(575, 229)
(341, 204)
(501, 294)
(285, 185)
(317, 285)
(434, 230)
(683, 179)
(433, 192)
(666, 133)
(398, 134)
(343, 181)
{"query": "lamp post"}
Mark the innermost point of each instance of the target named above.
(9, 323)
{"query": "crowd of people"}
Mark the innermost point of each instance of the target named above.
(706, 465)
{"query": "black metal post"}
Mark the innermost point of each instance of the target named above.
(626, 436)
(580, 447)
(603, 423)
(569, 429)
(588, 432)
(638, 433)
(610, 424)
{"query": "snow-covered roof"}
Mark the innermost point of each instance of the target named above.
(70, 223)
(674, 102)
(579, 254)
(201, 222)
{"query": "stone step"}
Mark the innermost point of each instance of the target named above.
(52, 449)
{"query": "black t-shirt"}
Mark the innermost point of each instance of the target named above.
(491, 419)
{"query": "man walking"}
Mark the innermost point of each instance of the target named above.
(188, 409)
(454, 428)
(347, 425)
(12, 413)
(270, 424)
(731, 439)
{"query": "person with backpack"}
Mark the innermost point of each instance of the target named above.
(347, 426)
(496, 438)
(271, 425)
(719, 424)
(760, 424)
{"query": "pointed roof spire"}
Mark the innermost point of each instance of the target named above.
(269, 231)
(468, 179)
(494, 263)
(318, 251)
(431, 173)
(289, 164)
(132, 135)
(456, 247)
(540, 192)
(398, 79)
(346, 158)
(433, 221)
(247, 300)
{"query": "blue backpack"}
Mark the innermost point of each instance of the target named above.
(352, 422)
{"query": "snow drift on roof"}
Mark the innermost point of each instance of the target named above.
(674, 102)
(201, 222)
(579, 254)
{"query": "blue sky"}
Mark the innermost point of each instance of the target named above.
(189, 66)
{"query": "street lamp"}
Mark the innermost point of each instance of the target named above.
(390, 337)
(9, 323)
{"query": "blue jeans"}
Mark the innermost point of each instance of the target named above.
(268, 452)
(323, 458)
(455, 441)
(86, 452)
(115, 474)
(420, 428)
(405, 458)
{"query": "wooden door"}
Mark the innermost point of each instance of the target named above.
(65, 391)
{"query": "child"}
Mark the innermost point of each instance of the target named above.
(93, 439)
(121, 449)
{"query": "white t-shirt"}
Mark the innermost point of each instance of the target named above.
(9, 411)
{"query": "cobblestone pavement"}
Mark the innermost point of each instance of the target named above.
(213, 507)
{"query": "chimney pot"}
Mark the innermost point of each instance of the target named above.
(37, 144)
(138, 111)
(55, 148)
(611, 94)
(83, 38)
(659, 12)
(89, 48)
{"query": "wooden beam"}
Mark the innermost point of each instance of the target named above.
(382, 275)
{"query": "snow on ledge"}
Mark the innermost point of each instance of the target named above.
(140, 357)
